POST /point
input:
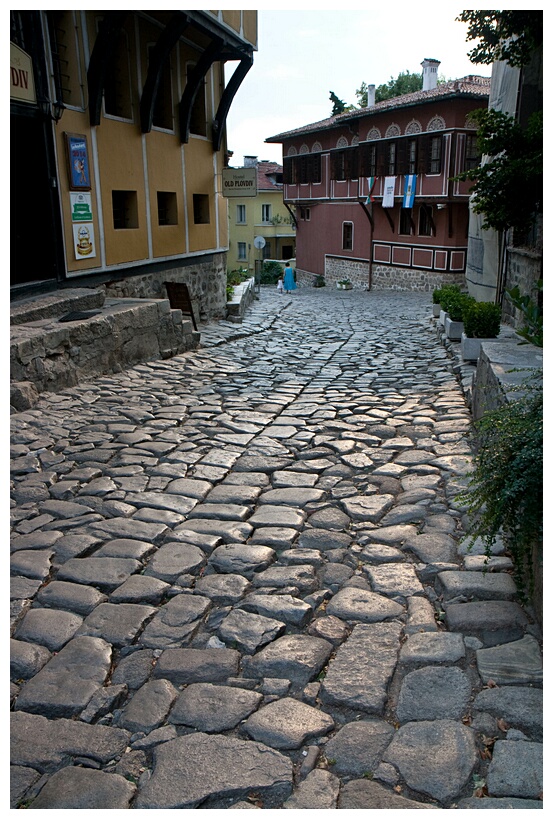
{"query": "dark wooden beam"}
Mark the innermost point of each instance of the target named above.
(158, 58)
(389, 218)
(193, 85)
(226, 100)
(367, 213)
(101, 61)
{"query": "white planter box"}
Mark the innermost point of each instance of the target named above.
(436, 309)
(442, 317)
(453, 329)
(341, 286)
(470, 347)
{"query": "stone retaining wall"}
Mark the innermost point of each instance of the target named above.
(356, 270)
(206, 280)
(385, 277)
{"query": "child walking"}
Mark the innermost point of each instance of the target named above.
(280, 286)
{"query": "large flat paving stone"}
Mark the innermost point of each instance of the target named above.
(357, 748)
(223, 589)
(270, 515)
(54, 740)
(174, 559)
(433, 693)
(248, 632)
(283, 607)
(129, 528)
(242, 558)
(394, 581)
(435, 758)
(294, 657)
(520, 707)
(26, 659)
(432, 547)
(48, 627)
(117, 623)
(296, 496)
(476, 586)
(362, 794)
(287, 724)
(192, 769)
(64, 686)
(195, 665)
(213, 708)
(176, 622)
(230, 531)
(70, 597)
(303, 578)
(105, 573)
(491, 621)
(360, 605)
(513, 663)
(74, 788)
(516, 769)
(161, 500)
(148, 707)
(318, 791)
(368, 507)
(359, 674)
(425, 648)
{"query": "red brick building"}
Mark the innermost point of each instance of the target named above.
(345, 178)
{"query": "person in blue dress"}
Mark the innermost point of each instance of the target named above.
(289, 280)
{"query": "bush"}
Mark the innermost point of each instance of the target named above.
(235, 277)
(456, 303)
(436, 296)
(448, 292)
(504, 494)
(271, 273)
(482, 319)
(319, 282)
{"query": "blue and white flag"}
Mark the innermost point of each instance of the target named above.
(409, 191)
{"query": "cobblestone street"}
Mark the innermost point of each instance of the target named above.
(239, 579)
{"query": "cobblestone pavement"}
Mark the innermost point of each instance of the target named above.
(240, 580)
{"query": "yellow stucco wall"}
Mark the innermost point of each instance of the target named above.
(279, 234)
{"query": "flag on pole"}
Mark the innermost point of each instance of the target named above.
(370, 183)
(389, 187)
(409, 191)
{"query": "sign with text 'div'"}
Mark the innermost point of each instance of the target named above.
(239, 182)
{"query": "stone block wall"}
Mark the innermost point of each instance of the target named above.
(356, 270)
(206, 280)
(524, 269)
(386, 277)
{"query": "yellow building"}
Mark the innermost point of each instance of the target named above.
(118, 146)
(264, 215)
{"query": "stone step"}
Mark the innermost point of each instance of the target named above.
(49, 355)
(55, 305)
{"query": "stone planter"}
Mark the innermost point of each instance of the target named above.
(470, 347)
(453, 329)
(442, 317)
(436, 309)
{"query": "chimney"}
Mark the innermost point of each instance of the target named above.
(429, 74)
(371, 90)
(250, 162)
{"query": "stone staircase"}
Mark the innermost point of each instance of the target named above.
(62, 339)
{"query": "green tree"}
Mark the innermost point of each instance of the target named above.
(404, 83)
(338, 105)
(507, 189)
(503, 35)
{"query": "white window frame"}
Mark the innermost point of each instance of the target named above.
(242, 250)
(240, 212)
(266, 211)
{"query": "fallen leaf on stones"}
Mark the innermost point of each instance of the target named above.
(467, 720)
(485, 754)
(491, 684)
(398, 788)
(502, 725)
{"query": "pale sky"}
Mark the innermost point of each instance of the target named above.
(305, 54)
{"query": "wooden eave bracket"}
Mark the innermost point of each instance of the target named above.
(101, 61)
(389, 218)
(292, 214)
(226, 100)
(158, 58)
(193, 85)
(367, 213)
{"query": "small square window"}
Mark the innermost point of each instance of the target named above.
(167, 208)
(200, 203)
(125, 210)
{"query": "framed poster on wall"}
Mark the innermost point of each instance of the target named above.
(77, 162)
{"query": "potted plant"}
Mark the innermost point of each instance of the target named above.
(436, 304)
(446, 293)
(345, 284)
(481, 322)
(319, 282)
(454, 319)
